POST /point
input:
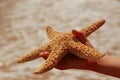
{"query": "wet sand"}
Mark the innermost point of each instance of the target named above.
(22, 29)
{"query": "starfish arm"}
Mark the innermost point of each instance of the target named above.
(83, 51)
(33, 54)
(50, 32)
(53, 59)
(93, 27)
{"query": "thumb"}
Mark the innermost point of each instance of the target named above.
(80, 36)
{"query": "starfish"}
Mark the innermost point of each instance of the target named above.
(62, 43)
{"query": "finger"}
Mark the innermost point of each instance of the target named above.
(44, 54)
(80, 36)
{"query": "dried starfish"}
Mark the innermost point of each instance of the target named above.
(62, 43)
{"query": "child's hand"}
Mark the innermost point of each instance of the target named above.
(108, 64)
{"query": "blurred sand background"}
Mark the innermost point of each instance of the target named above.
(22, 29)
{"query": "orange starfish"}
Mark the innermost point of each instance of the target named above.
(62, 43)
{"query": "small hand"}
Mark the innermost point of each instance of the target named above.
(108, 64)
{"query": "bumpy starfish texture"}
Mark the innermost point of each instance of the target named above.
(62, 43)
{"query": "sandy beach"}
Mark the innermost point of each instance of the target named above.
(22, 29)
